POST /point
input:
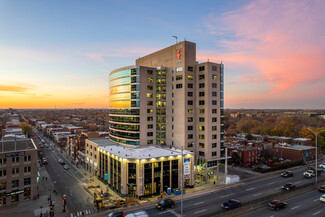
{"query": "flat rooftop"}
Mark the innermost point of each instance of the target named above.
(18, 145)
(146, 152)
(298, 147)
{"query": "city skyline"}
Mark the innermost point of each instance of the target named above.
(59, 54)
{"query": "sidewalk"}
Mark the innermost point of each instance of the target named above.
(32, 207)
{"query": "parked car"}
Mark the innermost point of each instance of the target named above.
(166, 203)
(138, 214)
(309, 173)
(277, 204)
(116, 214)
(287, 174)
(61, 161)
(321, 188)
(288, 186)
(66, 167)
(231, 204)
(322, 165)
(248, 164)
(322, 198)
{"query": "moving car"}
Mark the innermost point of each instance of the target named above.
(321, 188)
(44, 160)
(322, 165)
(116, 214)
(288, 186)
(231, 204)
(287, 174)
(277, 204)
(138, 214)
(66, 167)
(309, 173)
(166, 203)
(322, 198)
(61, 161)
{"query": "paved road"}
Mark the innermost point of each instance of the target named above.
(246, 192)
(69, 182)
(304, 205)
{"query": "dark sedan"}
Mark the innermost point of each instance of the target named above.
(166, 203)
(288, 186)
(322, 189)
(287, 174)
(231, 204)
(277, 204)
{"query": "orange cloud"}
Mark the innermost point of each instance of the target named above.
(11, 88)
(283, 41)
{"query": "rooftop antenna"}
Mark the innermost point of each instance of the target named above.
(175, 38)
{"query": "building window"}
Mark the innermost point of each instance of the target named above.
(179, 77)
(214, 153)
(27, 169)
(150, 134)
(201, 153)
(149, 95)
(189, 102)
(214, 145)
(189, 93)
(201, 128)
(190, 144)
(190, 136)
(201, 85)
(15, 159)
(150, 72)
(95, 148)
(3, 173)
(190, 119)
(149, 118)
(201, 93)
(15, 184)
(150, 103)
(201, 102)
(149, 87)
(190, 111)
(150, 126)
(214, 77)
(27, 181)
(201, 111)
(3, 185)
(178, 86)
(149, 111)
(27, 158)
(150, 80)
(3, 161)
(214, 111)
(214, 93)
(190, 77)
(189, 127)
(214, 68)
(214, 85)
(201, 119)
(190, 85)
(214, 128)
(190, 68)
(214, 136)
(201, 77)
(201, 136)
(201, 68)
(15, 171)
(214, 102)
(201, 145)
(214, 119)
(149, 142)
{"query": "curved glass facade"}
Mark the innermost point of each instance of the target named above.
(124, 105)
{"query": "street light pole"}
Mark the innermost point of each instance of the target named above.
(315, 132)
(182, 183)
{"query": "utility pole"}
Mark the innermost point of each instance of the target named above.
(226, 165)
(182, 183)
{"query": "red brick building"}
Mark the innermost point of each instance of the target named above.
(302, 141)
(295, 152)
(243, 154)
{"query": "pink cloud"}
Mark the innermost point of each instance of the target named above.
(68, 76)
(282, 40)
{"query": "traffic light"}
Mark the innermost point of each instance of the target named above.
(37, 179)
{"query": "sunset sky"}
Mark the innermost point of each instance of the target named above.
(58, 53)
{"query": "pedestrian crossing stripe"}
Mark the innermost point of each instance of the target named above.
(86, 212)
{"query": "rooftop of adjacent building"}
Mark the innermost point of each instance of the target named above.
(16, 145)
(296, 147)
(145, 152)
(301, 139)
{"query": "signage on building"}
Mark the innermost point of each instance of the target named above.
(179, 55)
(15, 154)
(15, 192)
(107, 176)
(187, 167)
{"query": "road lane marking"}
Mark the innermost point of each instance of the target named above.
(163, 212)
(298, 182)
(316, 199)
(270, 183)
(198, 203)
(250, 189)
(295, 207)
(256, 194)
(201, 211)
(317, 212)
(278, 187)
(174, 212)
(226, 195)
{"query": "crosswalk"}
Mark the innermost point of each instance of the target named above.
(85, 212)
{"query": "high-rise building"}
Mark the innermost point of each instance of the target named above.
(169, 99)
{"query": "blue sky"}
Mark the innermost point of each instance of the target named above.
(59, 53)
